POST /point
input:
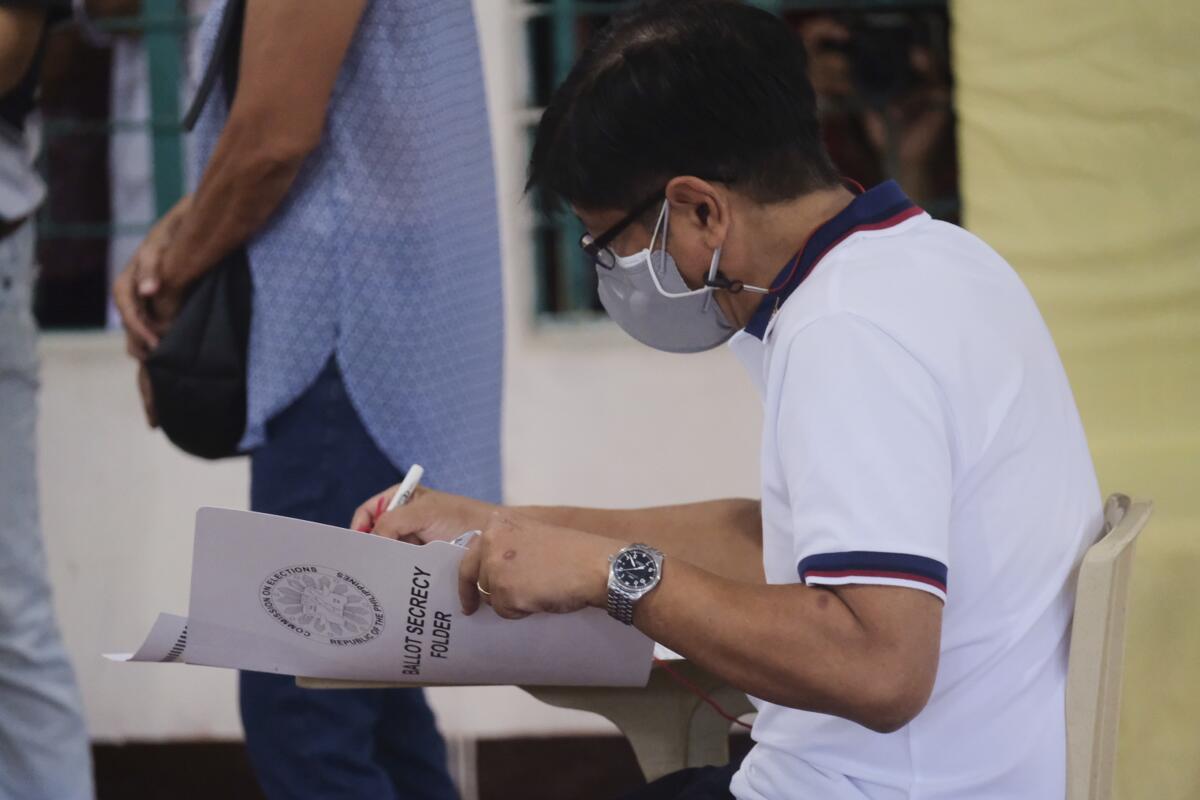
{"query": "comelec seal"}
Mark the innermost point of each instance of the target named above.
(322, 604)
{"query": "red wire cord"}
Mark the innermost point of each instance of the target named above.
(696, 690)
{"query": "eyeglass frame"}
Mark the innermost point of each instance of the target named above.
(593, 248)
(596, 248)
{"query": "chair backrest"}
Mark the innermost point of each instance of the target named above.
(1098, 650)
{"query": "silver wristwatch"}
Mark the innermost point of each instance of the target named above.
(632, 573)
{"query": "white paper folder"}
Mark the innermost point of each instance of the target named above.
(273, 594)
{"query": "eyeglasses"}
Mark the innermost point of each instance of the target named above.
(597, 248)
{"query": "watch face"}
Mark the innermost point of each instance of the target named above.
(635, 569)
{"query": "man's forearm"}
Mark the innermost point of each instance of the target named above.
(289, 65)
(247, 178)
(721, 536)
(797, 646)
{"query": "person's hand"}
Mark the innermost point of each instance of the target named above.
(143, 300)
(528, 567)
(163, 301)
(140, 337)
(427, 516)
(143, 381)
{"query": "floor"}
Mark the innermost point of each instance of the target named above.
(582, 768)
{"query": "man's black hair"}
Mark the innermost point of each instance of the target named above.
(710, 88)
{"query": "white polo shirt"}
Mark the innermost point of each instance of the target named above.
(919, 431)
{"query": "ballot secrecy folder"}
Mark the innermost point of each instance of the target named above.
(273, 594)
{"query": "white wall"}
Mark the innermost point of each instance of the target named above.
(590, 418)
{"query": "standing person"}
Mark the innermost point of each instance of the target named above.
(356, 164)
(44, 749)
(899, 601)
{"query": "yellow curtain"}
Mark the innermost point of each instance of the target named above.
(1079, 124)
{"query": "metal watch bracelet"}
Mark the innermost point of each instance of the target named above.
(620, 605)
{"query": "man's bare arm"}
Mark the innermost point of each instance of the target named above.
(866, 653)
(721, 536)
(290, 62)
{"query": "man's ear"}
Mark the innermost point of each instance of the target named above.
(703, 209)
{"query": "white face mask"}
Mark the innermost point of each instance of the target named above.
(646, 295)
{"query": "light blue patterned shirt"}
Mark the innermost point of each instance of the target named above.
(386, 251)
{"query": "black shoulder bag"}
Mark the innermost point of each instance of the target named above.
(198, 371)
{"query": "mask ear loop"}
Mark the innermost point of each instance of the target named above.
(712, 274)
(664, 222)
(718, 281)
(658, 225)
(664, 218)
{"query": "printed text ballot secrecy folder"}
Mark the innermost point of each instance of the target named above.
(273, 594)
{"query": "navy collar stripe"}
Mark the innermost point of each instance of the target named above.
(881, 207)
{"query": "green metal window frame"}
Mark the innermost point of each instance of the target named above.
(574, 284)
(163, 25)
(164, 59)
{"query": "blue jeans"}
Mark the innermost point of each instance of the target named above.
(44, 749)
(697, 783)
(318, 464)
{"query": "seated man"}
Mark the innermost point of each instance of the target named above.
(926, 485)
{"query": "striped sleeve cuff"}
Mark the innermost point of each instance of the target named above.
(886, 569)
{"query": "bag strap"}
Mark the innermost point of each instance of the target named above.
(224, 60)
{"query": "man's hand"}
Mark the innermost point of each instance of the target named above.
(145, 305)
(143, 381)
(428, 516)
(528, 567)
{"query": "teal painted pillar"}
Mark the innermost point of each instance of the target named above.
(164, 26)
(574, 278)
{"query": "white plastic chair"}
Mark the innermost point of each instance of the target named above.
(1098, 650)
